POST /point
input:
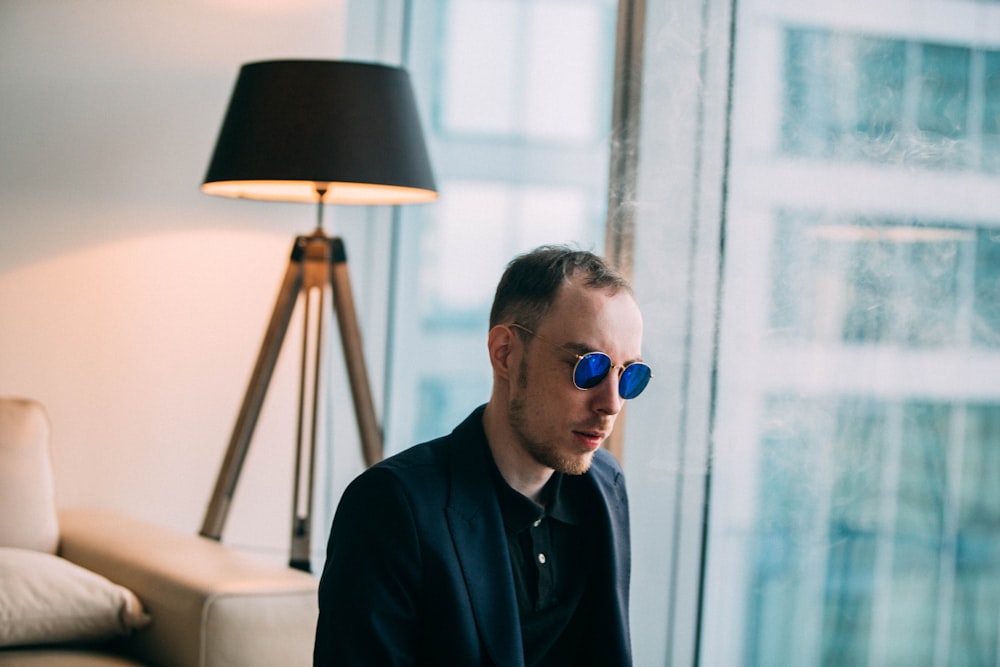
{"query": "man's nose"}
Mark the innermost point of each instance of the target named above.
(606, 399)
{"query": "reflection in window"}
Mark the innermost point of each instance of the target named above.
(857, 438)
(991, 113)
(882, 516)
(844, 95)
(857, 280)
(944, 91)
(853, 97)
(986, 295)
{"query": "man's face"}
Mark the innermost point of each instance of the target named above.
(557, 424)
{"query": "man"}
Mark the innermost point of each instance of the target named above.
(507, 541)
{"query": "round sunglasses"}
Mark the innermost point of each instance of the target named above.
(591, 369)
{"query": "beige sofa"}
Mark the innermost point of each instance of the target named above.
(88, 588)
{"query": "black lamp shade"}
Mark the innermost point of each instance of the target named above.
(295, 128)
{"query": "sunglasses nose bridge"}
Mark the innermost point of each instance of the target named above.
(607, 389)
(621, 383)
(593, 368)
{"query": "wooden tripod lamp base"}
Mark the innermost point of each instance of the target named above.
(317, 261)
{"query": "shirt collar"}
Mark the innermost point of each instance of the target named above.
(563, 502)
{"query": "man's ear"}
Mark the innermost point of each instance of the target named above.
(500, 344)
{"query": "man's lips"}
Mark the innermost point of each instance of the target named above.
(590, 439)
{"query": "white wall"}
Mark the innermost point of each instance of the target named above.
(131, 304)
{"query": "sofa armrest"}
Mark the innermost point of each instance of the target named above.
(210, 606)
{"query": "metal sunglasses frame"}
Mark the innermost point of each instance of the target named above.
(580, 357)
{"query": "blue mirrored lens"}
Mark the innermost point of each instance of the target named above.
(634, 379)
(591, 369)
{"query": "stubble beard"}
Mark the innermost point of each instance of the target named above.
(546, 453)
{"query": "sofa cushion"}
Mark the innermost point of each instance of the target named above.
(47, 599)
(27, 500)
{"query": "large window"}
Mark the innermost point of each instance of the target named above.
(857, 415)
(854, 96)
(813, 472)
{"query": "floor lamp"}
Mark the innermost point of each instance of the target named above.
(314, 131)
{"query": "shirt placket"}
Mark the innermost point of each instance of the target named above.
(544, 560)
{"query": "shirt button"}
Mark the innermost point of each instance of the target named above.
(541, 558)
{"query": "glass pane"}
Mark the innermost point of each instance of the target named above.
(991, 93)
(872, 265)
(877, 99)
(991, 112)
(871, 281)
(482, 37)
(928, 308)
(974, 630)
(856, 510)
(564, 52)
(857, 406)
(944, 104)
(537, 69)
(518, 139)
(918, 539)
(944, 91)
(442, 404)
(844, 94)
(880, 95)
(986, 317)
(464, 247)
(808, 127)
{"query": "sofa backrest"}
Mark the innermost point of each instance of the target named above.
(28, 517)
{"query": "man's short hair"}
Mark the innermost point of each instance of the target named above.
(530, 284)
